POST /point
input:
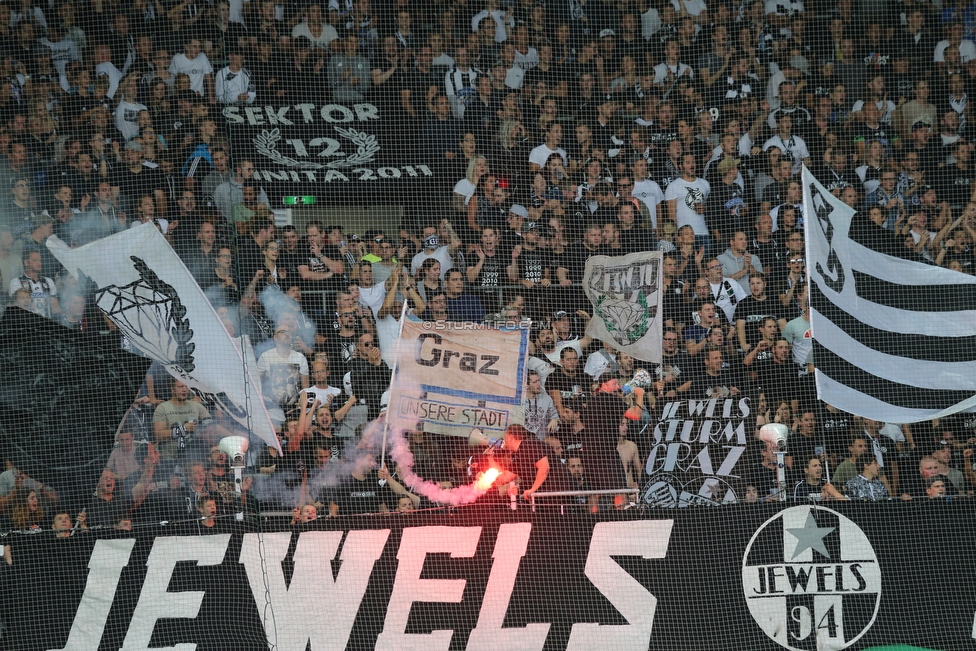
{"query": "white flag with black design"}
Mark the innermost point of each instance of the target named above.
(626, 295)
(147, 291)
(894, 339)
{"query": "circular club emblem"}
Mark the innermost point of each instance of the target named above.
(811, 579)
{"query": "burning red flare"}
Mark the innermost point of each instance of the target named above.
(486, 479)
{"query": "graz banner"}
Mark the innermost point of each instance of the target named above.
(333, 151)
(457, 376)
(625, 292)
(698, 453)
(757, 577)
(145, 289)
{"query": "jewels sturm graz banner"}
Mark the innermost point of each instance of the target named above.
(331, 151)
(698, 453)
(757, 577)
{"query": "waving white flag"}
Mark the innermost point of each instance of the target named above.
(894, 339)
(626, 295)
(145, 289)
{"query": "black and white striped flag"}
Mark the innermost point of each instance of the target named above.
(894, 339)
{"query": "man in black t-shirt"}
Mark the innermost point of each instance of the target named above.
(321, 265)
(568, 386)
(806, 441)
(573, 263)
(417, 81)
(674, 307)
(250, 256)
(369, 376)
(957, 179)
(531, 264)
(341, 343)
(530, 268)
(528, 461)
(676, 366)
(486, 274)
(727, 208)
(289, 257)
(633, 238)
(361, 492)
(714, 382)
(813, 487)
(576, 255)
(752, 312)
(135, 179)
(763, 475)
(778, 375)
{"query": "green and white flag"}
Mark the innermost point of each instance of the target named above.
(625, 292)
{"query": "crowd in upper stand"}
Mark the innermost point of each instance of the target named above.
(555, 131)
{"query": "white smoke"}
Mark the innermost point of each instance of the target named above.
(399, 450)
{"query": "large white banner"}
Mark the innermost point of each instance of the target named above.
(625, 292)
(894, 338)
(145, 289)
(456, 376)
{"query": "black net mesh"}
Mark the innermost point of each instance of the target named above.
(486, 324)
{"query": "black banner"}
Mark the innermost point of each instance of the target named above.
(740, 577)
(334, 152)
(698, 453)
(62, 395)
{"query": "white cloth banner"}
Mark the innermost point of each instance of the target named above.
(145, 289)
(458, 375)
(894, 339)
(625, 292)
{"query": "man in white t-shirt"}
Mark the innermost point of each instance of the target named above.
(726, 292)
(789, 143)
(967, 48)
(320, 33)
(322, 391)
(433, 249)
(373, 295)
(497, 16)
(647, 191)
(541, 154)
(127, 112)
(284, 371)
(386, 309)
(685, 197)
(668, 71)
(526, 56)
(233, 82)
(102, 58)
(195, 64)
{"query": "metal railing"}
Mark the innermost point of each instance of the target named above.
(611, 491)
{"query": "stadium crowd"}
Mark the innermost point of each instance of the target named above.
(556, 132)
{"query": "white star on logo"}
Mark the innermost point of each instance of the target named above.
(810, 537)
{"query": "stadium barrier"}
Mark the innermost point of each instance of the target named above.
(746, 577)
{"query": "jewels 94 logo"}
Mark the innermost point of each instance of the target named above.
(811, 579)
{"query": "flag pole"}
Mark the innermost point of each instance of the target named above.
(396, 365)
